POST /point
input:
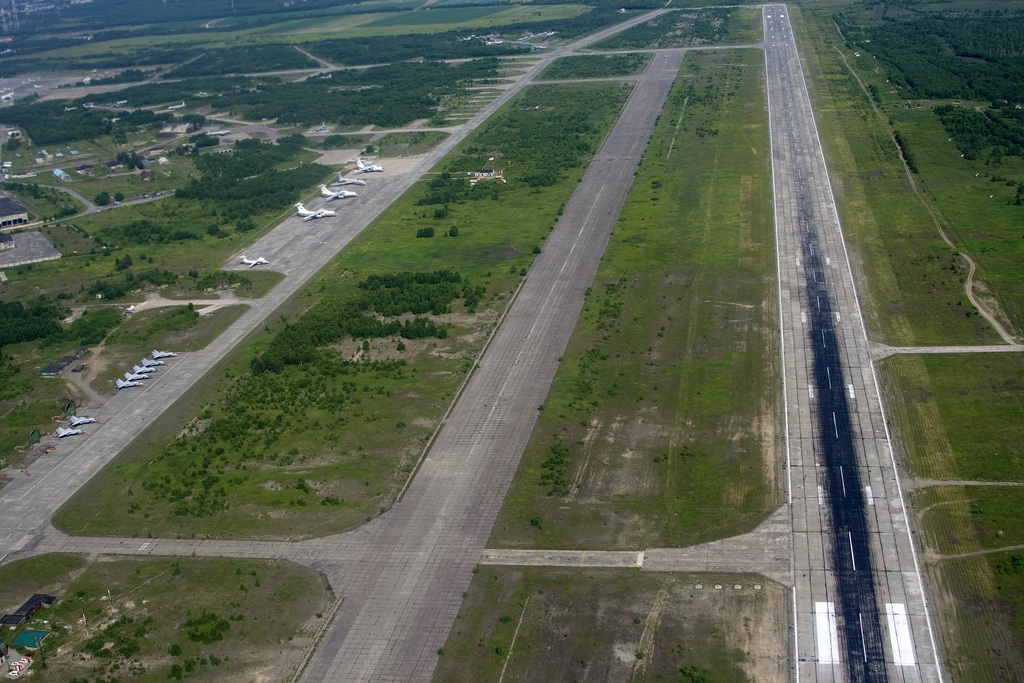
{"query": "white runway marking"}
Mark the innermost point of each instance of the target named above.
(826, 637)
(849, 387)
(899, 634)
(871, 497)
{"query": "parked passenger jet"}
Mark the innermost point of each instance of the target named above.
(124, 384)
(258, 261)
(308, 215)
(76, 421)
(62, 432)
(363, 168)
(342, 180)
(162, 354)
(340, 194)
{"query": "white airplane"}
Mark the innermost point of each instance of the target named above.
(162, 354)
(340, 194)
(76, 421)
(135, 376)
(130, 309)
(150, 363)
(142, 370)
(61, 432)
(258, 261)
(308, 215)
(7, 96)
(342, 180)
(363, 168)
(124, 384)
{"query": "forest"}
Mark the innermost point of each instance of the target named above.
(947, 57)
(244, 59)
(246, 182)
(999, 129)
(50, 122)
(367, 314)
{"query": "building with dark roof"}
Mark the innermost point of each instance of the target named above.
(11, 212)
(56, 367)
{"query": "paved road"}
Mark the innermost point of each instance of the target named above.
(860, 607)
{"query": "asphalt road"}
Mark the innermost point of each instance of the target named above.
(860, 611)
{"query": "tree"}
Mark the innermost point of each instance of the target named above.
(119, 197)
(102, 199)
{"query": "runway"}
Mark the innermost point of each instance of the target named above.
(860, 611)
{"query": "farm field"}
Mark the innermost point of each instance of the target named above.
(660, 426)
(160, 619)
(368, 405)
(579, 624)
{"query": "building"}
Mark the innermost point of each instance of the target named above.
(61, 174)
(58, 366)
(28, 610)
(175, 130)
(11, 212)
(84, 169)
(6, 242)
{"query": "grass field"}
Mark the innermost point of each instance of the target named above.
(159, 619)
(660, 425)
(960, 417)
(408, 144)
(691, 28)
(596, 66)
(328, 445)
(552, 624)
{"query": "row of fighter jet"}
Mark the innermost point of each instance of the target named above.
(134, 377)
(131, 379)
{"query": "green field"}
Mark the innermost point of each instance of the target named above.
(660, 426)
(159, 619)
(321, 447)
(691, 28)
(556, 624)
(596, 66)
(409, 144)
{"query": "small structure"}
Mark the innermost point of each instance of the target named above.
(84, 169)
(145, 175)
(56, 367)
(61, 174)
(6, 242)
(11, 212)
(112, 164)
(488, 174)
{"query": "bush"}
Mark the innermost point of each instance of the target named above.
(425, 232)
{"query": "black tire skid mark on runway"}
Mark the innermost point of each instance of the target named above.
(860, 631)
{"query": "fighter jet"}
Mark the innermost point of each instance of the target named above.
(62, 432)
(340, 194)
(135, 376)
(162, 354)
(342, 180)
(258, 261)
(308, 215)
(77, 421)
(124, 384)
(363, 168)
(150, 363)
(142, 369)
